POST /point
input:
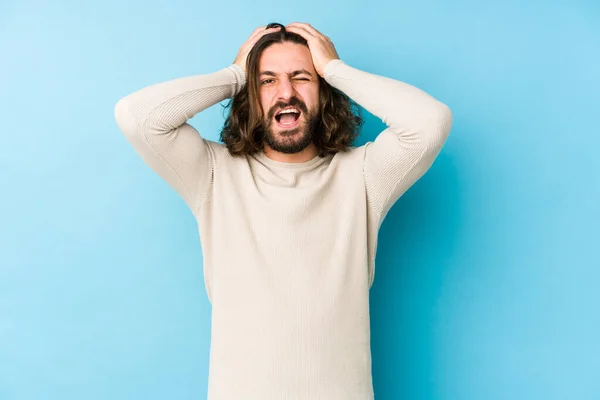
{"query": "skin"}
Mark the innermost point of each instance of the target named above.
(282, 88)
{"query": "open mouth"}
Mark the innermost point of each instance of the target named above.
(288, 117)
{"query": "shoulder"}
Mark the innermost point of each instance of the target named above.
(354, 155)
(217, 150)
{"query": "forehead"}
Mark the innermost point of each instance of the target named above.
(285, 57)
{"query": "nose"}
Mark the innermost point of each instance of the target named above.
(285, 90)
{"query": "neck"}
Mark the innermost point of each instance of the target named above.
(307, 154)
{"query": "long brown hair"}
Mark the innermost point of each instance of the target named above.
(340, 117)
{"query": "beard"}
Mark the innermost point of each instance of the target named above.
(290, 141)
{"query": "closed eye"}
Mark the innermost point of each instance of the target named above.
(266, 81)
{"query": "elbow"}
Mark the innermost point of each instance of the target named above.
(443, 120)
(439, 128)
(124, 116)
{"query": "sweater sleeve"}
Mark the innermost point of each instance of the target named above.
(153, 120)
(417, 128)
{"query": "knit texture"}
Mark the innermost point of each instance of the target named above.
(289, 248)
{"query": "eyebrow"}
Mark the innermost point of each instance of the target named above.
(293, 73)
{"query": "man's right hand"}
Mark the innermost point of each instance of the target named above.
(240, 60)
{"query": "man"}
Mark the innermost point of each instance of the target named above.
(288, 212)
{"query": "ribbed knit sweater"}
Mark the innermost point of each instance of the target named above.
(288, 248)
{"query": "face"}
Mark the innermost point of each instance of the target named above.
(288, 81)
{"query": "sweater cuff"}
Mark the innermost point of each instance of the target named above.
(240, 77)
(331, 67)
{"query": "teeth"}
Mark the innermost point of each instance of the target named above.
(288, 110)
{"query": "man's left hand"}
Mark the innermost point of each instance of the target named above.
(320, 46)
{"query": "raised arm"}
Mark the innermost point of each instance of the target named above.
(418, 124)
(153, 120)
(417, 128)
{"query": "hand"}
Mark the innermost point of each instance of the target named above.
(320, 46)
(259, 32)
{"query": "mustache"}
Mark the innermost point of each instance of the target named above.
(294, 102)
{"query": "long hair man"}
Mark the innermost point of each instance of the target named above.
(288, 210)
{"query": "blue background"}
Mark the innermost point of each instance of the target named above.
(488, 272)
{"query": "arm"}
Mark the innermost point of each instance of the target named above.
(417, 128)
(153, 120)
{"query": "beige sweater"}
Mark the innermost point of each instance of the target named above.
(289, 248)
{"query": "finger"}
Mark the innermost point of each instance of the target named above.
(257, 30)
(260, 33)
(308, 28)
(301, 31)
(262, 30)
(307, 33)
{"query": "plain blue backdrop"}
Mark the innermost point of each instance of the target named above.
(488, 274)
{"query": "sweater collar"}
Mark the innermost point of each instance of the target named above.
(306, 165)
